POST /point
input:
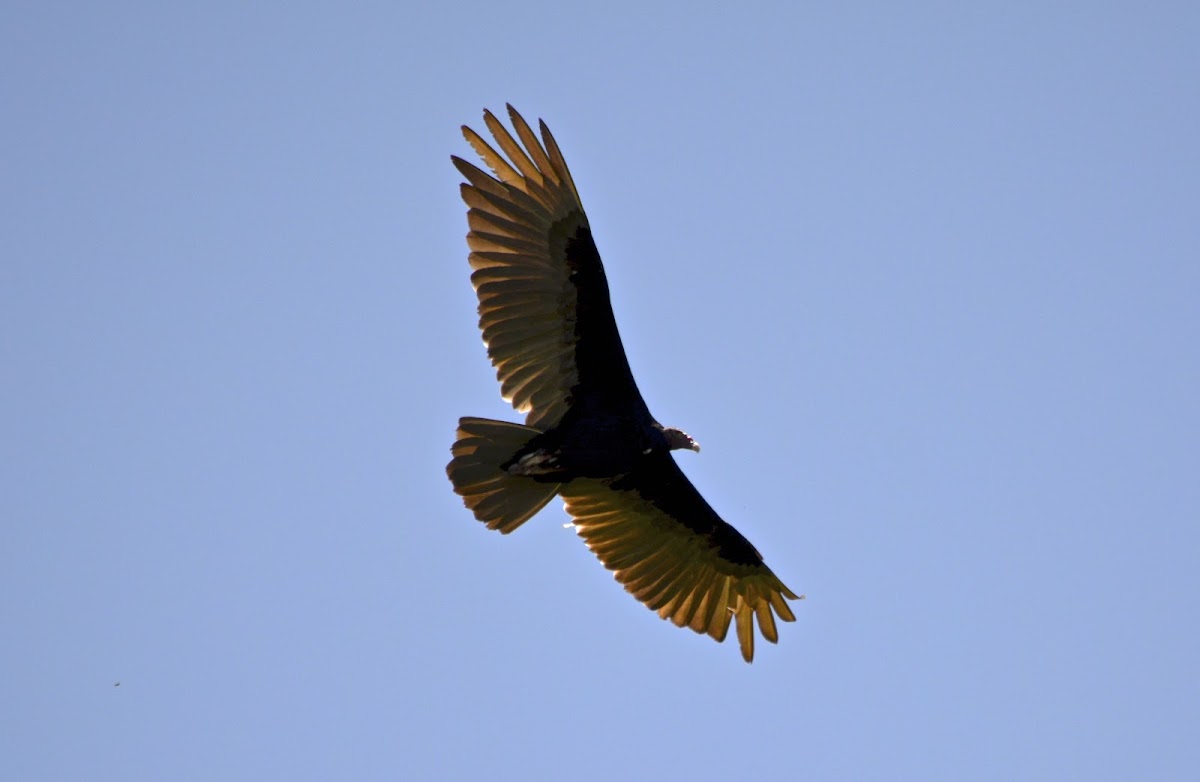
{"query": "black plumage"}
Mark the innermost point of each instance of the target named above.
(547, 321)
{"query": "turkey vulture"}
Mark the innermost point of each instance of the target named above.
(588, 436)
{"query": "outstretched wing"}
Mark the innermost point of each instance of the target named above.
(675, 554)
(543, 298)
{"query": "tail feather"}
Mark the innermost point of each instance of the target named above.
(497, 498)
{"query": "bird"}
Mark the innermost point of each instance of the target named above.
(588, 437)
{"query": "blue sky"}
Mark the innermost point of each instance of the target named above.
(923, 283)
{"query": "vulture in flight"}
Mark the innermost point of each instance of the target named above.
(588, 436)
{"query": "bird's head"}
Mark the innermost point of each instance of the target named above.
(677, 439)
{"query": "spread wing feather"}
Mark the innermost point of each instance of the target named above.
(530, 246)
(672, 552)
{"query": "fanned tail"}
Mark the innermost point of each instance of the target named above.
(500, 500)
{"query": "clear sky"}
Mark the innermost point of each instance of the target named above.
(924, 283)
